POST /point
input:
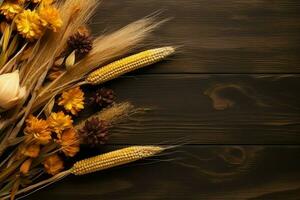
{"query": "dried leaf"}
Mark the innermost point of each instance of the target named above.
(59, 61)
(3, 58)
(15, 141)
(15, 189)
(10, 64)
(5, 38)
(49, 107)
(13, 45)
(7, 171)
(7, 188)
(70, 61)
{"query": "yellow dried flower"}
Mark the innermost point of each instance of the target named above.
(59, 122)
(50, 17)
(29, 25)
(72, 100)
(10, 10)
(25, 167)
(70, 142)
(38, 130)
(53, 164)
(31, 150)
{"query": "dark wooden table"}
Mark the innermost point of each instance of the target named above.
(231, 96)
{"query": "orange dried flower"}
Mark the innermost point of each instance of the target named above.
(72, 100)
(70, 142)
(53, 164)
(37, 130)
(50, 17)
(29, 25)
(25, 167)
(10, 9)
(30, 150)
(58, 122)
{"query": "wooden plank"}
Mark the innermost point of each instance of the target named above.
(198, 172)
(210, 109)
(231, 36)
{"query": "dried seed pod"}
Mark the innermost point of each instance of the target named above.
(128, 64)
(103, 98)
(81, 43)
(94, 132)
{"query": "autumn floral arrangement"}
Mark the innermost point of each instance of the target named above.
(47, 57)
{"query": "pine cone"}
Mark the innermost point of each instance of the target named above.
(81, 43)
(103, 97)
(94, 132)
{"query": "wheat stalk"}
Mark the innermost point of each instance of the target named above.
(117, 113)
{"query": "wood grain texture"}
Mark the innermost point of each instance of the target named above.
(198, 172)
(230, 36)
(210, 109)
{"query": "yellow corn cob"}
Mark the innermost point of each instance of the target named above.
(114, 158)
(97, 163)
(128, 64)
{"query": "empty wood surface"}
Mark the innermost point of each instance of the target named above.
(230, 98)
(223, 36)
(211, 109)
(192, 172)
